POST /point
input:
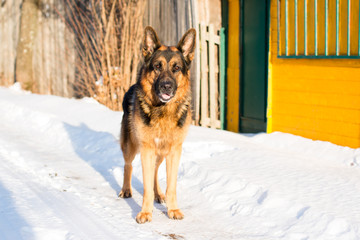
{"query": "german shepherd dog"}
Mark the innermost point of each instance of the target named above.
(157, 115)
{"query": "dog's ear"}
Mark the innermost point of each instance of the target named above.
(150, 42)
(187, 45)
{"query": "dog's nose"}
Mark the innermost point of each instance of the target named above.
(167, 86)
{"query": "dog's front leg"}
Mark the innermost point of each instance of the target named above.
(148, 170)
(172, 166)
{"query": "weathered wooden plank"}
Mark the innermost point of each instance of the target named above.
(8, 39)
(38, 51)
(2, 46)
(204, 75)
(212, 80)
(46, 56)
(214, 38)
(196, 83)
(206, 122)
(69, 60)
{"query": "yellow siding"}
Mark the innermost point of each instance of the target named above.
(315, 98)
(233, 70)
(340, 140)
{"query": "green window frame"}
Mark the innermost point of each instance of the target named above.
(318, 29)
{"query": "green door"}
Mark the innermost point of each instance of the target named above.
(253, 69)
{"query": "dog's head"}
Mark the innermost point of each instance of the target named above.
(167, 68)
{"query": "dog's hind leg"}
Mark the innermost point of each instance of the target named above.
(129, 151)
(159, 196)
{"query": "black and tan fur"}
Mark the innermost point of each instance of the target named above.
(157, 115)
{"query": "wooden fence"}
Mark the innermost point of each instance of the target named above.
(210, 103)
(53, 56)
(9, 31)
(55, 52)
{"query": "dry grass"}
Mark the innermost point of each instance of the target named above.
(107, 41)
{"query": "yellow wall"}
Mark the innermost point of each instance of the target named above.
(314, 98)
(233, 70)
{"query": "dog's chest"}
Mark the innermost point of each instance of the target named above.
(159, 143)
(162, 136)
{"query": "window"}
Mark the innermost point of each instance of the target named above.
(318, 28)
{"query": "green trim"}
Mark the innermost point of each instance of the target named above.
(348, 27)
(224, 61)
(225, 14)
(305, 28)
(296, 27)
(326, 26)
(286, 28)
(316, 24)
(320, 57)
(222, 78)
(337, 28)
(282, 29)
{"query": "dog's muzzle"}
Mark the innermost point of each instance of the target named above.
(167, 89)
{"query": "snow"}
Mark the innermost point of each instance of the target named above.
(61, 169)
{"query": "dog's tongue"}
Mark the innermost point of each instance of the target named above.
(165, 96)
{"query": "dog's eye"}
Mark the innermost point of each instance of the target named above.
(176, 68)
(157, 66)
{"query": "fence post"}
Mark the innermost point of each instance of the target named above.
(212, 80)
(204, 75)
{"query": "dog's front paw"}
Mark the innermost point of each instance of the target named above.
(143, 217)
(175, 214)
(125, 193)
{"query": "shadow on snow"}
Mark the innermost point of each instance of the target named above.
(12, 224)
(102, 151)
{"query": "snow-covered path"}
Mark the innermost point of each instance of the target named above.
(61, 170)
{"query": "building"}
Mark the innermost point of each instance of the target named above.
(294, 66)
